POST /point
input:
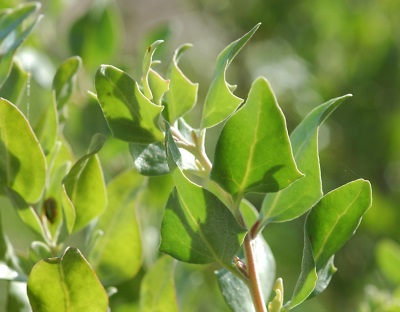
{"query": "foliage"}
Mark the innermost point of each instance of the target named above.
(207, 218)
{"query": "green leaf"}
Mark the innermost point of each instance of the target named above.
(7, 257)
(302, 194)
(129, 114)
(95, 36)
(197, 227)
(220, 102)
(47, 128)
(149, 160)
(13, 88)
(388, 260)
(57, 284)
(14, 28)
(253, 153)
(235, 292)
(182, 94)
(64, 80)
(157, 290)
(25, 211)
(22, 163)
(331, 222)
(154, 86)
(86, 175)
(117, 255)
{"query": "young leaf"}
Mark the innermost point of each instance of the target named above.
(182, 94)
(117, 255)
(331, 222)
(13, 88)
(236, 292)
(13, 31)
(86, 175)
(302, 194)
(149, 160)
(47, 128)
(197, 227)
(22, 162)
(56, 284)
(157, 291)
(129, 114)
(220, 102)
(253, 152)
(64, 80)
(154, 86)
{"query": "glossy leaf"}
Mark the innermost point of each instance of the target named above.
(236, 292)
(182, 94)
(388, 259)
(22, 163)
(117, 254)
(197, 227)
(64, 80)
(14, 28)
(302, 194)
(56, 284)
(157, 290)
(13, 88)
(253, 152)
(149, 160)
(220, 102)
(331, 222)
(86, 175)
(129, 114)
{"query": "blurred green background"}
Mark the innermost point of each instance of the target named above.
(310, 51)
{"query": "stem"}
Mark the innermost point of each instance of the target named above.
(254, 283)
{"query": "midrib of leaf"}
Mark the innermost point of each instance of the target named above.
(67, 300)
(209, 246)
(251, 156)
(279, 194)
(318, 254)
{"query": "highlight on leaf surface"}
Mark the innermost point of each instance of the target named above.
(220, 101)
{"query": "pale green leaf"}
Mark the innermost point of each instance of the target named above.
(117, 254)
(146, 68)
(302, 194)
(253, 153)
(182, 94)
(57, 284)
(64, 80)
(157, 290)
(158, 86)
(86, 175)
(220, 102)
(22, 162)
(129, 114)
(197, 227)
